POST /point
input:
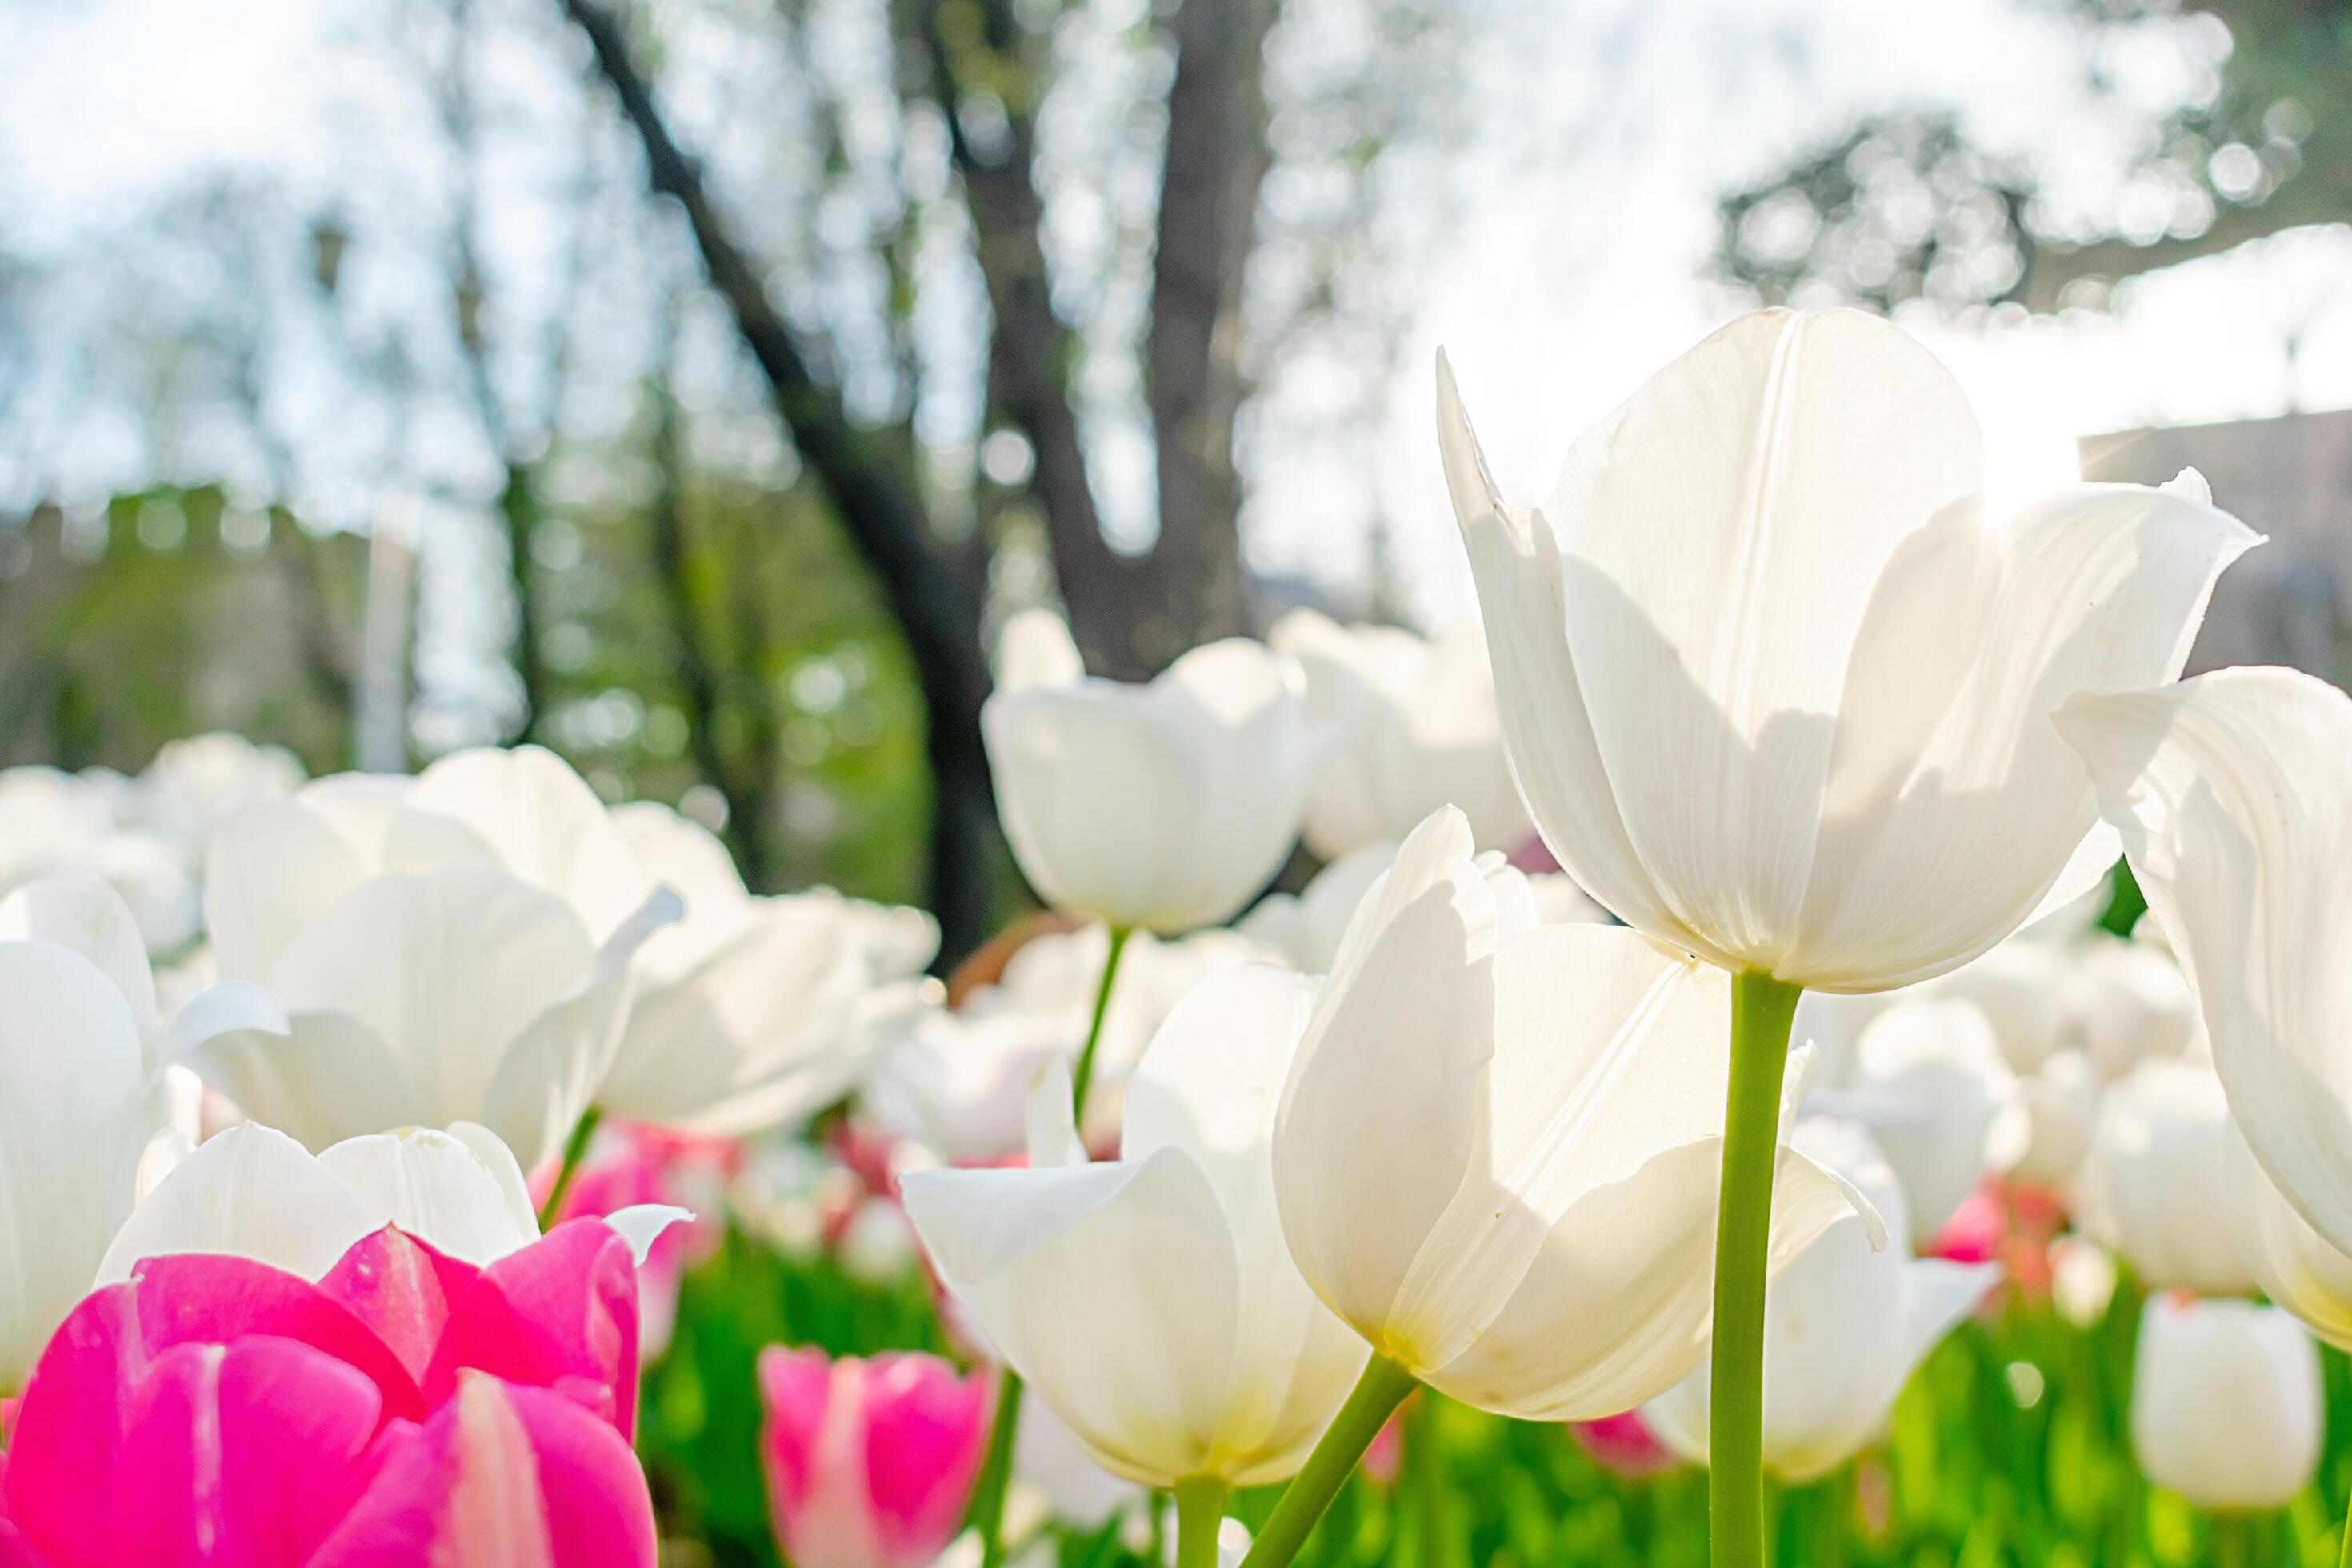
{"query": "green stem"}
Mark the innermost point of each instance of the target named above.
(1762, 1009)
(2347, 1559)
(1084, 1076)
(1377, 1393)
(2232, 1541)
(1424, 1478)
(1200, 1510)
(575, 1149)
(996, 1470)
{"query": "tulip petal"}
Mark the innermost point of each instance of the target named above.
(435, 1184)
(502, 1477)
(561, 1313)
(248, 1452)
(81, 911)
(2294, 1264)
(2229, 790)
(540, 819)
(2094, 588)
(1615, 1308)
(71, 1130)
(402, 1289)
(1111, 1289)
(271, 869)
(250, 1192)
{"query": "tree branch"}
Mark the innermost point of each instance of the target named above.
(875, 499)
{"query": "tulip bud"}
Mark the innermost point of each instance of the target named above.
(869, 1463)
(2226, 1402)
(2156, 1186)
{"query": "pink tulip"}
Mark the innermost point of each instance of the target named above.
(407, 1407)
(869, 1463)
(1624, 1445)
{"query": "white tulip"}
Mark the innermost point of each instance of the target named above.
(2157, 1185)
(423, 980)
(1844, 1327)
(1929, 1081)
(1497, 1148)
(252, 1192)
(753, 1012)
(1417, 728)
(2020, 988)
(1034, 648)
(1161, 807)
(2061, 1102)
(1151, 1301)
(2233, 792)
(53, 822)
(194, 783)
(1776, 691)
(2129, 1005)
(2295, 1266)
(2226, 1402)
(73, 1125)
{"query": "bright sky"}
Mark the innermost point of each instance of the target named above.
(1608, 129)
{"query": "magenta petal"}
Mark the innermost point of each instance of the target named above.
(561, 1313)
(502, 1477)
(207, 1298)
(926, 1431)
(403, 1289)
(246, 1453)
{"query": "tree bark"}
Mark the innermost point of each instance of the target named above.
(873, 498)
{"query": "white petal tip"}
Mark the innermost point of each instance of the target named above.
(642, 1224)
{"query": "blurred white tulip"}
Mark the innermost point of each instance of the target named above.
(2226, 1402)
(2156, 1184)
(753, 1012)
(1929, 1081)
(1844, 1327)
(1151, 1301)
(194, 783)
(53, 822)
(1416, 729)
(2020, 988)
(1775, 690)
(1161, 806)
(252, 1192)
(1306, 928)
(2233, 792)
(2060, 1104)
(2130, 1004)
(1497, 1148)
(425, 978)
(1033, 649)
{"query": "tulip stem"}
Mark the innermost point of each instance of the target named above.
(1376, 1397)
(1762, 1009)
(1083, 1077)
(575, 1149)
(996, 1472)
(1199, 1510)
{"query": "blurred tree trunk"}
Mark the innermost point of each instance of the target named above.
(1130, 614)
(873, 493)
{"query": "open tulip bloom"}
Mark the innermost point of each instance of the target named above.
(1780, 695)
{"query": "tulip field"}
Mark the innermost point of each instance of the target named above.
(1801, 1038)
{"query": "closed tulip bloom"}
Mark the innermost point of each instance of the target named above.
(1161, 806)
(1416, 729)
(869, 1463)
(1845, 1326)
(1497, 1148)
(2020, 988)
(2129, 1004)
(2157, 1185)
(2226, 1402)
(1776, 690)
(1150, 1300)
(2233, 792)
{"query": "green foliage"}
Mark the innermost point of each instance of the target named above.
(2011, 1448)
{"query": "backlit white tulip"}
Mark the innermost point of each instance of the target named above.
(1778, 692)
(1929, 1081)
(1161, 806)
(1151, 1301)
(425, 982)
(2226, 1402)
(2298, 1269)
(2233, 792)
(2021, 989)
(2157, 1185)
(752, 1012)
(1416, 729)
(2129, 1004)
(2060, 1104)
(1844, 1327)
(1305, 928)
(52, 821)
(1498, 1148)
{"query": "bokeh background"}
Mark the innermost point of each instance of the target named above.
(693, 386)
